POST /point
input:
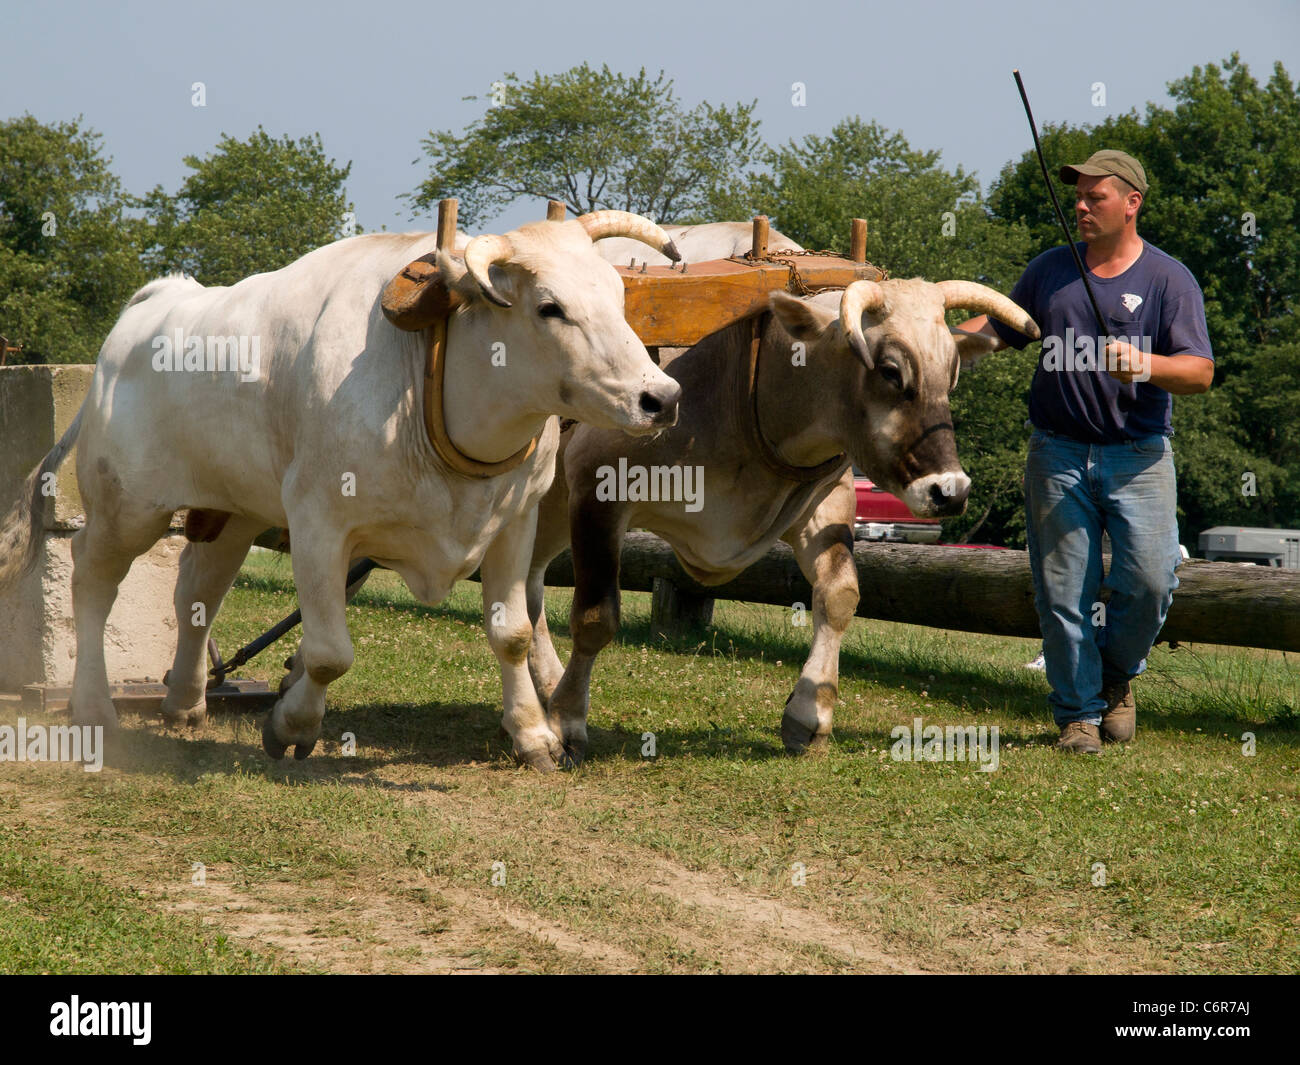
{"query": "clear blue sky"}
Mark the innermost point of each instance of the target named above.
(374, 78)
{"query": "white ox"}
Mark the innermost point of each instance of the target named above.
(327, 438)
(696, 244)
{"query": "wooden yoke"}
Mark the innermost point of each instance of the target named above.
(419, 299)
(666, 307)
(678, 308)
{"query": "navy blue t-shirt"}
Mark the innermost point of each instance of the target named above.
(1155, 305)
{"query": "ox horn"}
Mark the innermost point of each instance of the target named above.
(480, 254)
(971, 296)
(860, 298)
(601, 224)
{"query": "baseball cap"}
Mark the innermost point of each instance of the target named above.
(1108, 162)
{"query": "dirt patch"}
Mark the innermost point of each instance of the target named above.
(712, 924)
(772, 919)
(415, 924)
(605, 956)
(339, 933)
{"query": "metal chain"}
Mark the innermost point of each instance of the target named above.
(797, 284)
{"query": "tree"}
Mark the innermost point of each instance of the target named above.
(922, 219)
(595, 140)
(249, 206)
(68, 250)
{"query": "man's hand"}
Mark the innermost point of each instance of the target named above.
(1180, 374)
(1127, 363)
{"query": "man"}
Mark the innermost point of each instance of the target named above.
(1099, 458)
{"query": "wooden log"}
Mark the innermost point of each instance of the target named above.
(858, 240)
(974, 590)
(968, 589)
(673, 611)
(555, 210)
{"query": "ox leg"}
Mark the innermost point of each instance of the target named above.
(294, 663)
(505, 615)
(206, 572)
(102, 553)
(544, 663)
(823, 546)
(319, 574)
(594, 621)
(552, 538)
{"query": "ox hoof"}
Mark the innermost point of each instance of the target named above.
(100, 712)
(302, 750)
(270, 742)
(800, 739)
(539, 760)
(574, 753)
(191, 718)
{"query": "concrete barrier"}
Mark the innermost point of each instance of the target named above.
(37, 640)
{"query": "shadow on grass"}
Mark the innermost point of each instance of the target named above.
(433, 735)
(636, 632)
(1017, 693)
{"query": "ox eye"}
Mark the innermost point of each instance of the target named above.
(551, 309)
(891, 373)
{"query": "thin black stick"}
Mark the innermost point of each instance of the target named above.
(1102, 330)
(249, 650)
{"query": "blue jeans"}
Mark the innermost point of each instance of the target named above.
(1074, 491)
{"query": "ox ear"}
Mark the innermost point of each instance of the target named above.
(803, 321)
(459, 280)
(971, 347)
(451, 267)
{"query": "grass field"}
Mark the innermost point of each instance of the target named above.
(428, 850)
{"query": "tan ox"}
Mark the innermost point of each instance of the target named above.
(865, 378)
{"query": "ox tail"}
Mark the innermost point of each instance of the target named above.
(21, 528)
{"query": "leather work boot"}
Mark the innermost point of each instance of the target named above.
(1078, 737)
(1119, 720)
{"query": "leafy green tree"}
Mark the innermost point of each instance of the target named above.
(922, 219)
(249, 206)
(594, 139)
(68, 249)
(1224, 171)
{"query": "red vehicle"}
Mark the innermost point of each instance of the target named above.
(881, 516)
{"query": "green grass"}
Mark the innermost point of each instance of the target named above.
(63, 918)
(384, 861)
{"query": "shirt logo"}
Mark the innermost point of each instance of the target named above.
(1130, 301)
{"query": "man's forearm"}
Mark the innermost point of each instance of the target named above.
(981, 324)
(1182, 375)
